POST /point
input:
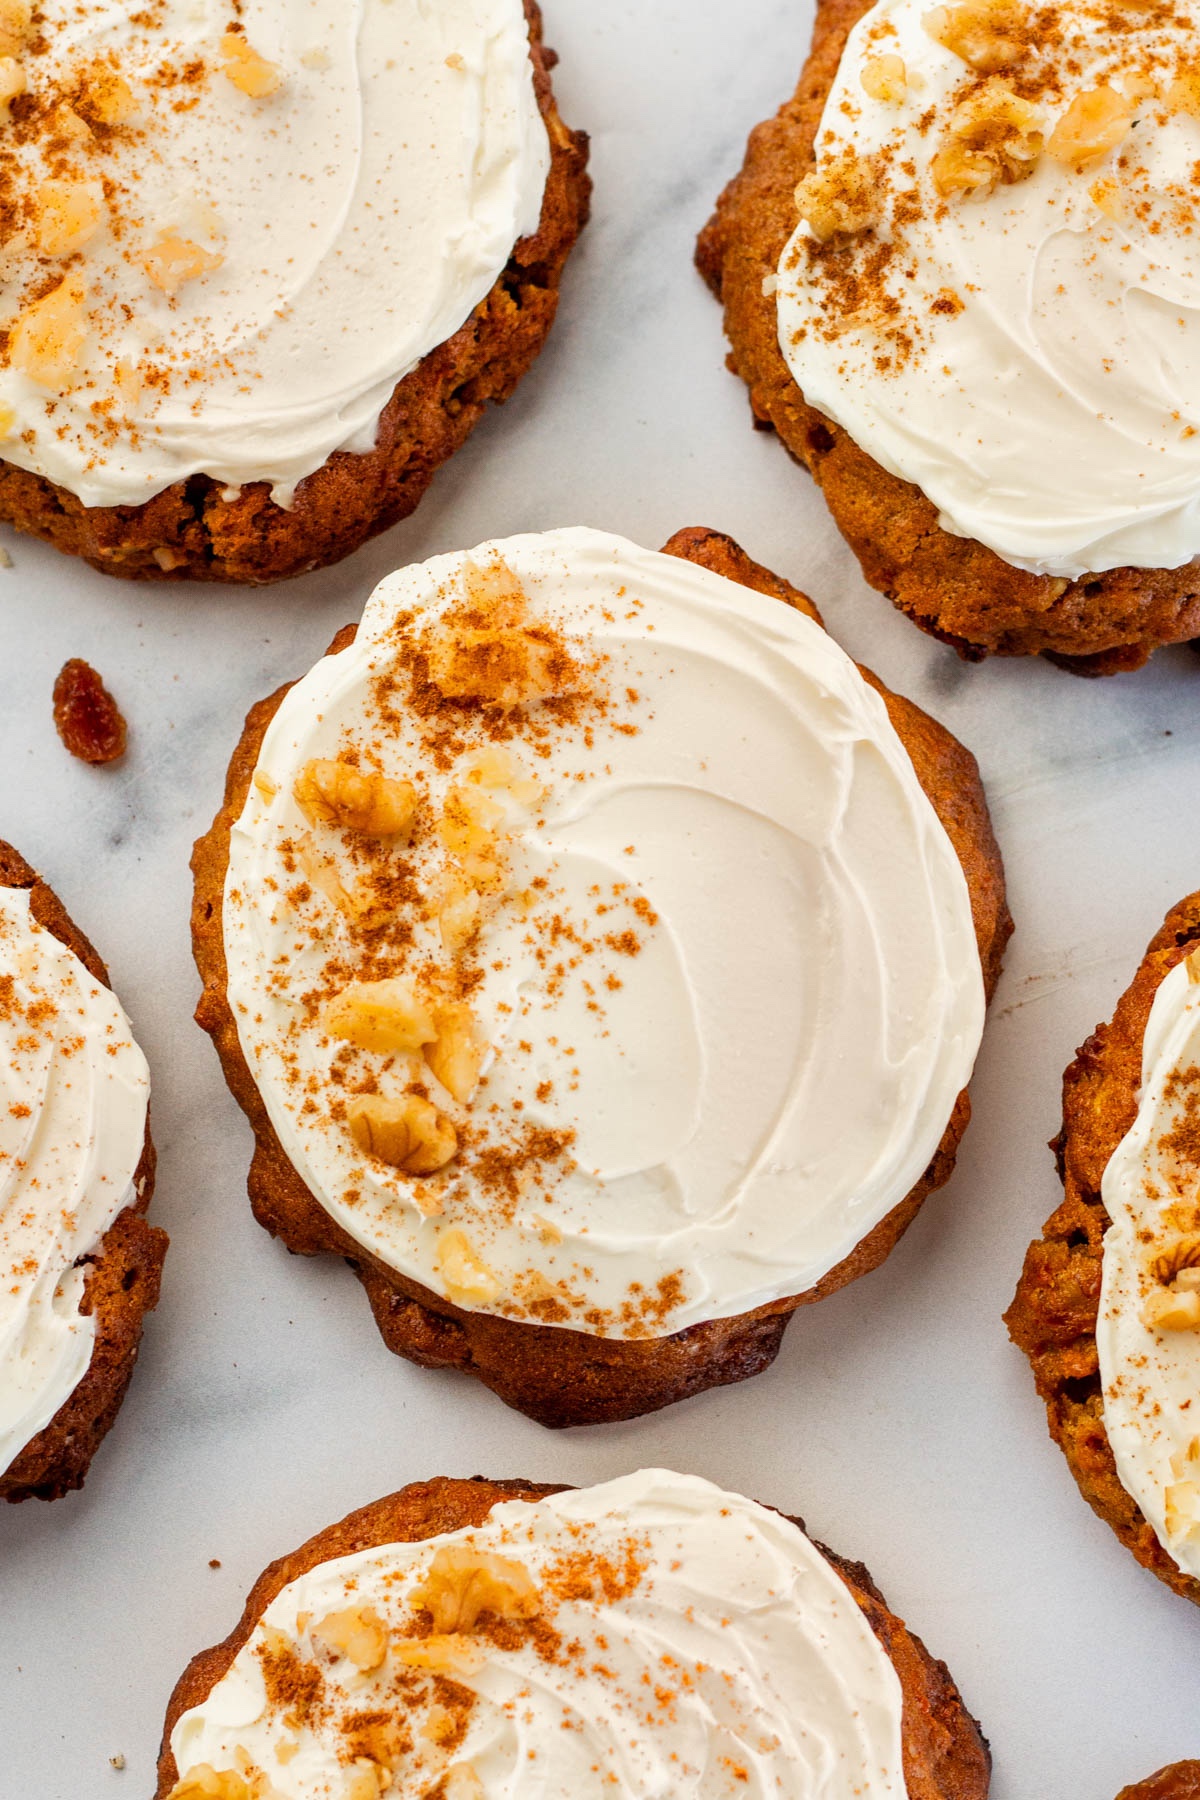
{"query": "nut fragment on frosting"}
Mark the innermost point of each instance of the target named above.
(464, 1582)
(994, 137)
(47, 340)
(249, 72)
(839, 199)
(986, 34)
(1092, 126)
(337, 793)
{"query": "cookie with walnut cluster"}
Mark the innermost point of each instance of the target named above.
(941, 266)
(80, 1263)
(1108, 1305)
(563, 1018)
(384, 1652)
(271, 274)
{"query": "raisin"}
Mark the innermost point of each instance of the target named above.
(86, 716)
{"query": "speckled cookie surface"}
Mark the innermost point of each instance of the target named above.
(122, 1283)
(954, 588)
(557, 1376)
(1053, 1315)
(945, 1756)
(190, 532)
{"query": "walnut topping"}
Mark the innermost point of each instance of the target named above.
(463, 1583)
(1093, 124)
(993, 137)
(409, 1133)
(8, 421)
(16, 20)
(467, 1277)
(381, 1015)
(12, 83)
(839, 199)
(206, 1783)
(336, 793)
(458, 913)
(249, 72)
(107, 95)
(68, 214)
(368, 1780)
(456, 1055)
(1183, 95)
(48, 337)
(1108, 199)
(986, 34)
(357, 1633)
(1172, 1309)
(462, 1783)
(1182, 1496)
(1181, 1256)
(469, 828)
(508, 665)
(441, 1655)
(173, 261)
(885, 78)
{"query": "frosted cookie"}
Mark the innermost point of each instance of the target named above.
(265, 265)
(601, 959)
(79, 1265)
(1181, 1781)
(652, 1635)
(1108, 1306)
(959, 272)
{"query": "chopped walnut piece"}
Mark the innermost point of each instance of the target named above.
(986, 34)
(68, 214)
(458, 913)
(357, 1633)
(457, 1053)
(173, 261)
(336, 793)
(1108, 199)
(48, 338)
(464, 1582)
(467, 1278)
(108, 95)
(8, 421)
(468, 828)
(1177, 1257)
(367, 1780)
(462, 1783)
(86, 717)
(12, 83)
(409, 1134)
(1183, 95)
(1172, 1309)
(1093, 124)
(993, 137)
(249, 72)
(840, 198)
(493, 587)
(1182, 1497)
(445, 1655)
(505, 665)
(206, 1783)
(16, 21)
(885, 78)
(381, 1015)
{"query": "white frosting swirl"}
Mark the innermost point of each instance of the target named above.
(1039, 376)
(73, 1096)
(739, 970)
(735, 1662)
(1151, 1379)
(360, 213)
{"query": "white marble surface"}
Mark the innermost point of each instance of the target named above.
(898, 1419)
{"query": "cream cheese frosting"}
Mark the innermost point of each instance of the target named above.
(727, 983)
(1030, 359)
(1151, 1373)
(74, 1090)
(668, 1637)
(259, 229)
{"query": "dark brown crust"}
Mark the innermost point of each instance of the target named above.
(945, 1755)
(954, 588)
(1057, 1302)
(350, 498)
(1181, 1781)
(567, 1377)
(122, 1282)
